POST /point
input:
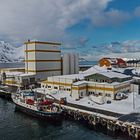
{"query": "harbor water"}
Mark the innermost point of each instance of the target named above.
(18, 65)
(11, 65)
(18, 126)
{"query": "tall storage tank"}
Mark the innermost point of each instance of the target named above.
(66, 64)
(72, 63)
(76, 63)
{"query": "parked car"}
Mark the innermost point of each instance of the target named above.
(120, 95)
(108, 102)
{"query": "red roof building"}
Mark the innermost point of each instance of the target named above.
(112, 62)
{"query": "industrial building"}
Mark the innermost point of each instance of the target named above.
(7, 75)
(98, 83)
(42, 59)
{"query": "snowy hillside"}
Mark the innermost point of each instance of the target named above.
(82, 59)
(9, 53)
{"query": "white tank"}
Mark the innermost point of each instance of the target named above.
(76, 61)
(72, 64)
(66, 64)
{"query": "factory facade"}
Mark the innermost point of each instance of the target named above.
(106, 84)
(43, 59)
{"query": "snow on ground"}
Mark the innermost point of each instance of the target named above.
(136, 71)
(98, 69)
(124, 106)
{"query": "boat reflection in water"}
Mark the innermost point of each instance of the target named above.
(37, 105)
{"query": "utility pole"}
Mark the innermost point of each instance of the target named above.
(133, 98)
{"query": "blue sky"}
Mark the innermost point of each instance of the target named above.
(97, 38)
(93, 28)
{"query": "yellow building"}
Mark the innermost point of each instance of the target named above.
(78, 86)
(42, 59)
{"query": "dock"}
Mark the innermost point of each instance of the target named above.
(125, 124)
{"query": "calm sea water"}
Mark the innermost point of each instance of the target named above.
(11, 65)
(88, 63)
(18, 65)
(18, 126)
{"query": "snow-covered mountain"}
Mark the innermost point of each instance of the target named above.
(82, 59)
(9, 53)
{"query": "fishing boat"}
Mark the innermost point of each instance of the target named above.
(4, 92)
(37, 105)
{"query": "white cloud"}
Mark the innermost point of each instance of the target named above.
(93, 57)
(137, 11)
(81, 9)
(131, 42)
(49, 19)
(134, 55)
(128, 49)
(113, 17)
(24, 19)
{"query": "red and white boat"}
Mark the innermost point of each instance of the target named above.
(37, 105)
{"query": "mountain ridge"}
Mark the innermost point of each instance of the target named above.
(9, 53)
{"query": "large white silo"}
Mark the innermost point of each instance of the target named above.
(66, 64)
(76, 63)
(72, 63)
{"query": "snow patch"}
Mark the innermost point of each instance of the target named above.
(125, 106)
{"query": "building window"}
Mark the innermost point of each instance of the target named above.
(49, 86)
(82, 94)
(55, 88)
(108, 95)
(61, 87)
(32, 80)
(100, 94)
(25, 81)
(68, 89)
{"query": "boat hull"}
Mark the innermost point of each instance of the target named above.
(5, 95)
(53, 117)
